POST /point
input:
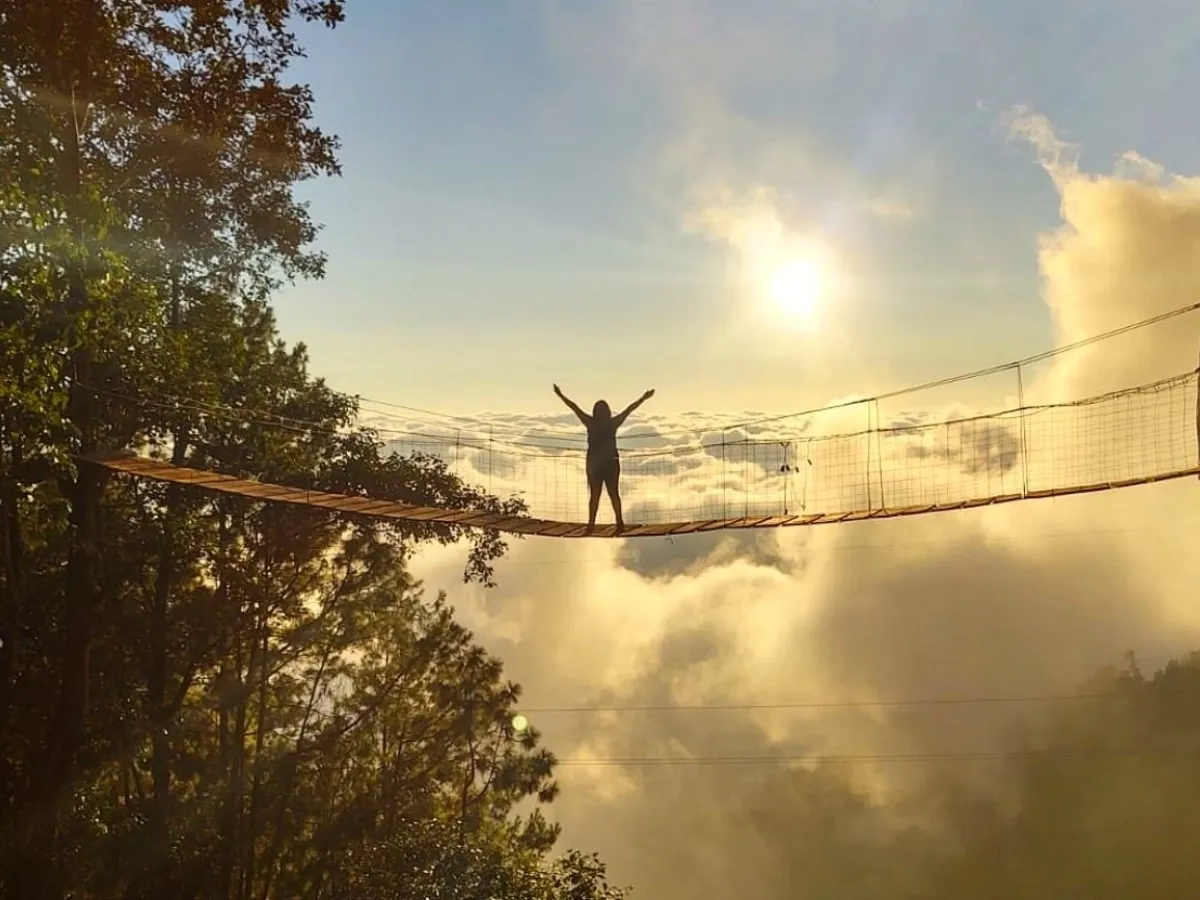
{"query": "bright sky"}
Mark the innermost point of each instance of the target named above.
(547, 190)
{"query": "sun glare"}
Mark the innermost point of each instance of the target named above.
(796, 287)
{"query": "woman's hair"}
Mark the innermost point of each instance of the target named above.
(601, 411)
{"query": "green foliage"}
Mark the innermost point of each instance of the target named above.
(427, 860)
(202, 697)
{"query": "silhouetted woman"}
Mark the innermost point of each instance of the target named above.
(603, 461)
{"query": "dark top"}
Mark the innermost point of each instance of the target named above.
(602, 440)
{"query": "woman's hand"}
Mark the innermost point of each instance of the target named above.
(648, 394)
(557, 390)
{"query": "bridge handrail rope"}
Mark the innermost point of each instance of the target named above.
(1138, 435)
(287, 423)
(995, 369)
(573, 440)
(988, 370)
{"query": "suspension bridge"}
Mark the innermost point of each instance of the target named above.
(784, 472)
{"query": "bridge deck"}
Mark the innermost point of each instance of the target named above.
(157, 470)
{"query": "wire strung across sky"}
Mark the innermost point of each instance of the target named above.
(829, 704)
(473, 429)
(252, 416)
(466, 423)
(784, 758)
(676, 762)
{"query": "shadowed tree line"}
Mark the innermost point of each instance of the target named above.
(1103, 800)
(202, 697)
(1098, 798)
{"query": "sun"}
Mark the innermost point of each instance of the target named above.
(796, 287)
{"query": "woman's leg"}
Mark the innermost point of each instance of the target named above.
(612, 482)
(595, 484)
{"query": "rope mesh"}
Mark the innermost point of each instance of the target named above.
(800, 468)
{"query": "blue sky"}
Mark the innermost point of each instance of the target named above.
(520, 175)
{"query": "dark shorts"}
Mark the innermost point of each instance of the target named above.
(604, 471)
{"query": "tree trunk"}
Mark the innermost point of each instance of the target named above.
(159, 709)
(12, 555)
(233, 827)
(39, 878)
(263, 637)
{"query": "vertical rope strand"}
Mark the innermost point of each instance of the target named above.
(724, 480)
(879, 456)
(867, 472)
(1197, 381)
(1024, 440)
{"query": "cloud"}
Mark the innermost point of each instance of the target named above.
(712, 166)
(885, 208)
(753, 224)
(1059, 158)
(1028, 599)
(1128, 248)
(947, 611)
(978, 446)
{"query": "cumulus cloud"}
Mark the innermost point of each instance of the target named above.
(1023, 600)
(1128, 248)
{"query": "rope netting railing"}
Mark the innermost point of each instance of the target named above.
(695, 472)
(820, 464)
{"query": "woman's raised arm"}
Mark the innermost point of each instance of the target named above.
(583, 417)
